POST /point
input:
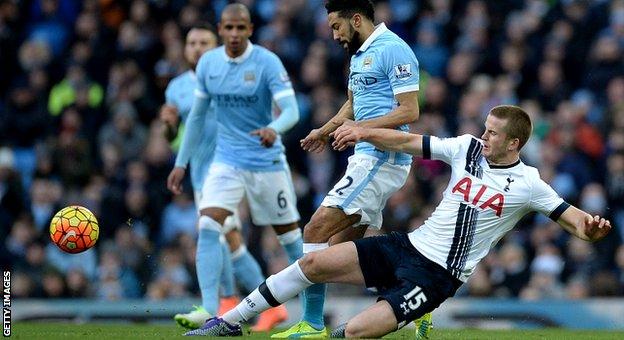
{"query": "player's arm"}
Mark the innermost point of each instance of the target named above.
(289, 116)
(284, 96)
(344, 114)
(577, 222)
(406, 113)
(400, 65)
(192, 138)
(169, 116)
(351, 133)
(316, 140)
(583, 225)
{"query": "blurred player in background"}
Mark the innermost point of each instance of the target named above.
(239, 82)
(179, 99)
(383, 93)
(489, 191)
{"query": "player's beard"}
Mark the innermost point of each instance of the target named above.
(355, 43)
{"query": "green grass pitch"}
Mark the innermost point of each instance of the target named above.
(108, 331)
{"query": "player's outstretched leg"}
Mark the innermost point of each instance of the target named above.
(290, 238)
(324, 223)
(249, 275)
(209, 263)
(336, 264)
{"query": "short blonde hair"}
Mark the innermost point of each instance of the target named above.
(518, 122)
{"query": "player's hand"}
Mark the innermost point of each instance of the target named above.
(267, 136)
(169, 115)
(174, 181)
(596, 227)
(347, 135)
(315, 141)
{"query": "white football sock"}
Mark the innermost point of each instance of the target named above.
(276, 290)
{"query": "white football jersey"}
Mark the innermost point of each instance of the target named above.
(481, 203)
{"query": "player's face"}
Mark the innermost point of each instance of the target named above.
(496, 144)
(344, 32)
(235, 29)
(198, 41)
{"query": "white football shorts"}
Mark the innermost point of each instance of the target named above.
(365, 187)
(232, 222)
(270, 194)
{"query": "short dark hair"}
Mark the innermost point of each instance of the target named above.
(518, 122)
(202, 25)
(347, 8)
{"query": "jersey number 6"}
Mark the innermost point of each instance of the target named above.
(281, 200)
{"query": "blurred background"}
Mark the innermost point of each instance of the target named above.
(81, 83)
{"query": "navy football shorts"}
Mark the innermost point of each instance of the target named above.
(412, 284)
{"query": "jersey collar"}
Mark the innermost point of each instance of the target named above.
(506, 166)
(241, 57)
(379, 30)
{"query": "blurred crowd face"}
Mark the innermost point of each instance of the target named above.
(344, 31)
(198, 41)
(496, 144)
(235, 29)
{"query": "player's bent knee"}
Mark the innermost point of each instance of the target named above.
(310, 267)
(353, 330)
(217, 214)
(320, 227)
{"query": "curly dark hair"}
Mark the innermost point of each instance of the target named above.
(347, 8)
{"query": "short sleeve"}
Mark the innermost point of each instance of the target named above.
(401, 67)
(278, 79)
(169, 94)
(443, 149)
(546, 201)
(201, 73)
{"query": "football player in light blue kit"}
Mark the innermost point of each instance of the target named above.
(239, 83)
(383, 93)
(179, 99)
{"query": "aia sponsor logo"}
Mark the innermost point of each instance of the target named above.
(491, 199)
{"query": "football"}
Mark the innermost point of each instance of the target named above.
(74, 229)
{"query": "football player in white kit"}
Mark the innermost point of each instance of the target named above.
(489, 191)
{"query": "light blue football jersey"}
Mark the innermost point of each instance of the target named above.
(180, 93)
(242, 90)
(383, 67)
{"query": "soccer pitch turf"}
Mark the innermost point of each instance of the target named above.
(57, 330)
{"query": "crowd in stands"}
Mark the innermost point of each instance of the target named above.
(81, 83)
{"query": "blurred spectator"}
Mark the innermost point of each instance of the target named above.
(64, 93)
(71, 151)
(22, 124)
(172, 278)
(78, 285)
(432, 54)
(115, 280)
(53, 285)
(515, 269)
(50, 22)
(64, 262)
(124, 132)
(179, 217)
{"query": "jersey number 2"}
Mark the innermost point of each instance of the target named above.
(349, 182)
